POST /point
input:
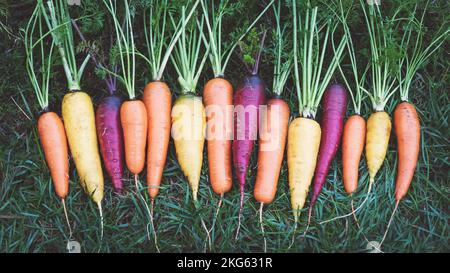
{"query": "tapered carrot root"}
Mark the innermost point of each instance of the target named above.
(218, 99)
(133, 117)
(377, 140)
(303, 146)
(407, 130)
(352, 147)
(158, 102)
(188, 129)
(79, 122)
(54, 143)
(271, 149)
(110, 137)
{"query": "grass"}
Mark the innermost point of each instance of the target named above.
(31, 216)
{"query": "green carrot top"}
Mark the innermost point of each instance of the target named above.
(186, 57)
(57, 18)
(42, 62)
(311, 57)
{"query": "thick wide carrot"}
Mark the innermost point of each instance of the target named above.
(188, 129)
(303, 147)
(79, 122)
(407, 129)
(352, 147)
(377, 140)
(218, 99)
(158, 102)
(133, 117)
(274, 127)
(54, 143)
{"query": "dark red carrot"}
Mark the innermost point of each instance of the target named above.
(334, 106)
(248, 98)
(110, 136)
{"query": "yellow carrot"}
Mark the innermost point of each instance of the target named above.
(377, 140)
(188, 132)
(303, 147)
(79, 121)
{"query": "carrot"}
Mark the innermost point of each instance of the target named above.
(133, 117)
(54, 143)
(406, 119)
(52, 134)
(407, 129)
(274, 126)
(77, 107)
(352, 147)
(158, 102)
(218, 99)
(271, 150)
(304, 134)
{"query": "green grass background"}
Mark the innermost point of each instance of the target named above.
(31, 216)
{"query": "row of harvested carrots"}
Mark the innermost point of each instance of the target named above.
(139, 130)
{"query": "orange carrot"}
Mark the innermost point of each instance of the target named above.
(352, 148)
(54, 143)
(133, 117)
(158, 102)
(407, 129)
(218, 99)
(271, 150)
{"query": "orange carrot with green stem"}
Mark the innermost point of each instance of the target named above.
(274, 124)
(406, 119)
(50, 126)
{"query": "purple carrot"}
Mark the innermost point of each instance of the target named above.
(109, 131)
(248, 98)
(334, 106)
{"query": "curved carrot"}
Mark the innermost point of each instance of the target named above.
(407, 129)
(133, 117)
(158, 102)
(271, 150)
(54, 143)
(218, 99)
(352, 147)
